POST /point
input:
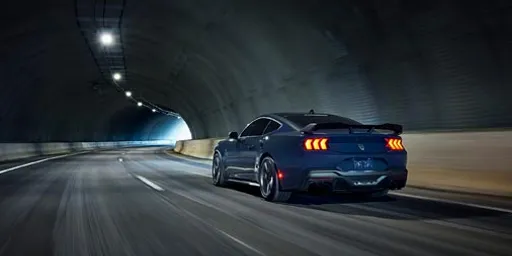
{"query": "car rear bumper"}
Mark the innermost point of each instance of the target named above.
(344, 181)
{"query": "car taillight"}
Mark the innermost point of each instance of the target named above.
(316, 144)
(394, 144)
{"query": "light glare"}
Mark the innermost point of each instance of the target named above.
(179, 131)
(128, 94)
(139, 104)
(117, 76)
(154, 110)
(106, 39)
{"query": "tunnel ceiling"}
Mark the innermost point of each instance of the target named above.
(430, 65)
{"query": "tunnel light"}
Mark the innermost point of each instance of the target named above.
(128, 94)
(106, 39)
(117, 76)
(154, 110)
(139, 104)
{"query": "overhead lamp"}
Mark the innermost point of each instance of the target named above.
(116, 76)
(154, 110)
(106, 38)
(139, 104)
(128, 94)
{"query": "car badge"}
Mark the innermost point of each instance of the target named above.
(361, 146)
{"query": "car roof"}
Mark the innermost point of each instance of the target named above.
(282, 117)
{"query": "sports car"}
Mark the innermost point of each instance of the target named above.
(283, 153)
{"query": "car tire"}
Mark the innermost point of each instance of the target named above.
(218, 172)
(269, 182)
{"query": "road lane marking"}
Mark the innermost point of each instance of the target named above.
(239, 242)
(39, 161)
(149, 183)
(454, 202)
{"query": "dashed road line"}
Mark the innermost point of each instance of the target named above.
(149, 183)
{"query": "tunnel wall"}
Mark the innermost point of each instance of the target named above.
(14, 151)
(429, 65)
(475, 162)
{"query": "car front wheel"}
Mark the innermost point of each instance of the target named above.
(218, 175)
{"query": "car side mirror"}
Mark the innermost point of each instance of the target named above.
(233, 135)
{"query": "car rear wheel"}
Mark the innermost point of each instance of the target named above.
(269, 183)
(218, 175)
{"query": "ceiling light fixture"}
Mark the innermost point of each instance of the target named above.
(106, 39)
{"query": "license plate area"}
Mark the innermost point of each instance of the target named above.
(363, 164)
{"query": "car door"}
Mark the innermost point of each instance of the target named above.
(230, 153)
(254, 143)
(249, 142)
(254, 149)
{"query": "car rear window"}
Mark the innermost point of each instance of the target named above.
(305, 119)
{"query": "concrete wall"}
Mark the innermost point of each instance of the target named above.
(13, 151)
(197, 148)
(479, 162)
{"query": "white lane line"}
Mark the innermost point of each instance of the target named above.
(454, 202)
(149, 183)
(240, 242)
(39, 161)
(188, 165)
(203, 161)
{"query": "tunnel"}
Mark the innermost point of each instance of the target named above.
(115, 115)
(221, 63)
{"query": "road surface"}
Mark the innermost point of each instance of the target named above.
(150, 203)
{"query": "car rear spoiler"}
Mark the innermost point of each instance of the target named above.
(310, 128)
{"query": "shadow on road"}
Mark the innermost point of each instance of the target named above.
(389, 207)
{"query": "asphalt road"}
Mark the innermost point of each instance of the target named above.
(154, 204)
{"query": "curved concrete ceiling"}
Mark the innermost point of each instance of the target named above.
(428, 65)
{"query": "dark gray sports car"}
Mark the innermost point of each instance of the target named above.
(286, 152)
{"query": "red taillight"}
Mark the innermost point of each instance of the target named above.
(394, 144)
(316, 144)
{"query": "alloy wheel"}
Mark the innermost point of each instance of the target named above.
(267, 179)
(216, 168)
